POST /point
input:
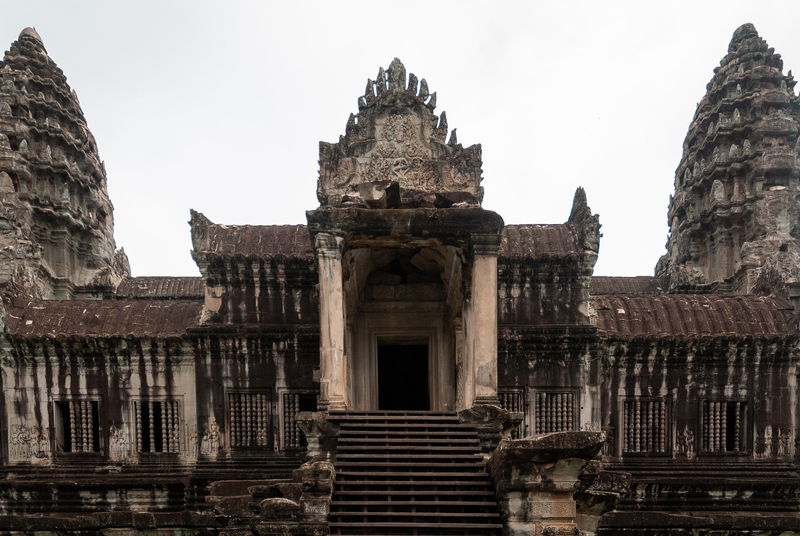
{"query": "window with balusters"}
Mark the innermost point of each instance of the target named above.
(249, 420)
(293, 402)
(77, 426)
(513, 399)
(725, 427)
(157, 426)
(554, 411)
(645, 426)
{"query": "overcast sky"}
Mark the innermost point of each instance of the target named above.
(219, 106)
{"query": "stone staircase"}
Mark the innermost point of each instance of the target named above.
(410, 472)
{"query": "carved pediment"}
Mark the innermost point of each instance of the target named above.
(396, 138)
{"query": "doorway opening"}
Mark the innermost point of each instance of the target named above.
(403, 377)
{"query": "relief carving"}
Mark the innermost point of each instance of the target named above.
(118, 442)
(209, 445)
(685, 443)
(29, 443)
(396, 137)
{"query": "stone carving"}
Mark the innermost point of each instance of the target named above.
(717, 192)
(39, 442)
(54, 119)
(396, 137)
(209, 445)
(20, 441)
(764, 443)
(118, 442)
(29, 442)
(193, 442)
(684, 443)
(689, 262)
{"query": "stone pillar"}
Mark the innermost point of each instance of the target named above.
(483, 317)
(332, 359)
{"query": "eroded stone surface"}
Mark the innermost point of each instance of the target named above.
(396, 139)
(733, 218)
(56, 221)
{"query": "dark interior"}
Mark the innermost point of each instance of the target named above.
(403, 377)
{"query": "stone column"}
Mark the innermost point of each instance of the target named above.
(483, 317)
(332, 360)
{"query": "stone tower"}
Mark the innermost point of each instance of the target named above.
(56, 223)
(735, 217)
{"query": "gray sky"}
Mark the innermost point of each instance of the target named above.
(219, 106)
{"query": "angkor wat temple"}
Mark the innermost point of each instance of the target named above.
(403, 363)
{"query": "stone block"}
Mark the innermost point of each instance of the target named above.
(277, 508)
(241, 506)
(142, 520)
(544, 508)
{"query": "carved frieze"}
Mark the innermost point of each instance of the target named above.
(396, 138)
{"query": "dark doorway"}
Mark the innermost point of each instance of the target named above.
(403, 377)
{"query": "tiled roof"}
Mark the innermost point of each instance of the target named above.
(104, 318)
(692, 315)
(161, 287)
(624, 285)
(519, 241)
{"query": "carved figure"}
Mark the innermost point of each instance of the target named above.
(210, 442)
(39, 444)
(767, 442)
(689, 434)
(783, 443)
(118, 442)
(193, 441)
(680, 443)
(24, 439)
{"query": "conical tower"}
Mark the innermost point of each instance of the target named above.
(735, 218)
(56, 223)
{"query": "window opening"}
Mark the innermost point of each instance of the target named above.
(157, 426)
(78, 426)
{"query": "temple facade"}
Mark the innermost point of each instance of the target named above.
(404, 362)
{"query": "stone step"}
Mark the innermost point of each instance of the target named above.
(410, 473)
(396, 457)
(346, 448)
(438, 441)
(382, 432)
(416, 504)
(401, 476)
(374, 528)
(388, 494)
(401, 467)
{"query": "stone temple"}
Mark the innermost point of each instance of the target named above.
(403, 362)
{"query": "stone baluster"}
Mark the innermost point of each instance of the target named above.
(138, 406)
(736, 442)
(73, 428)
(151, 425)
(89, 428)
(84, 427)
